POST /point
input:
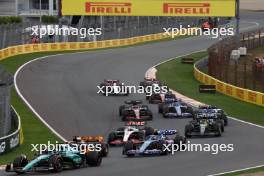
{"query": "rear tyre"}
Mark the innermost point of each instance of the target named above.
(160, 108)
(188, 130)
(111, 137)
(128, 146)
(20, 162)
(149, 131)
(56, 162)
(93, 159)
(104, 150)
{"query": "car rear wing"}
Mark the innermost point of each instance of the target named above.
(134, 102)
(167, 132)
(88, 138)
(135, 123)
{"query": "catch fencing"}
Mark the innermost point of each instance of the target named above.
(246, 72)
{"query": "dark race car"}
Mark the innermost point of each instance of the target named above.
(149, 82)
(134, 110)
(154, 144)
(177, 109)
(113, 87)
(204, 125)
(213, 109)
(93, 140)
(132, 131)
(157, 98)
(55, 161)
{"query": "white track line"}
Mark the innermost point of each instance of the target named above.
(42, 120)
(233, 118)
(229, 172)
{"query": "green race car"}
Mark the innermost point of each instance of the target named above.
(55, 161)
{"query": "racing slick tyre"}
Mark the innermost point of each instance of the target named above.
(149, 131)
(121, 109)
(162, 148)
(56, 162)
(225, 121)
(188, 130)
(111, 137)
(93, 158)
(105, 150)
(191, 111)
(128, 146)
(179, 140)
(160, 108)
(218, 131)
(19, 162)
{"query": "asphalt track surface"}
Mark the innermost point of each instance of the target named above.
(62, 89)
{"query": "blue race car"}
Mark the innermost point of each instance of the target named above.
(177, 109)
(167, 101)
(55, 161)
(154, 144)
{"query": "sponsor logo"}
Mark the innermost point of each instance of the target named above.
(108, 8)
(240, 93)
(14, 142)
(186, 8)
(2, 147)
(252, 96)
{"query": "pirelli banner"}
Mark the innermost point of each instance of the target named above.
(149, 7)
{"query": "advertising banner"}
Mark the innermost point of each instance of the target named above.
(154, 7)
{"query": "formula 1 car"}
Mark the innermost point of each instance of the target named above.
(157, 98)
(154, 144)
(177, 109)
(149, 82)
(133, 131)
(93, 140)
(206, 125)
(113, 87)
(213, 110)
(134, 110)
(209, 24)
(55, 161)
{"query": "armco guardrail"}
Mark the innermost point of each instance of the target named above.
(13, 140)
(30, 48)
(230, 90)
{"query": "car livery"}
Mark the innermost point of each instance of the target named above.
(93, 140)
(154, 144)
(55, 161)
(134, 110)
(132, 131)
(157, 98)
(113, 87)
(214, 110)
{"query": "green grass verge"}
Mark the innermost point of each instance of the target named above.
(35, 132)
(180, 77)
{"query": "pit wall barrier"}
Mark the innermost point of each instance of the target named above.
(246, 95)
(70, 46)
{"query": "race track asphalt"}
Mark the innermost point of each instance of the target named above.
(62, 89)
